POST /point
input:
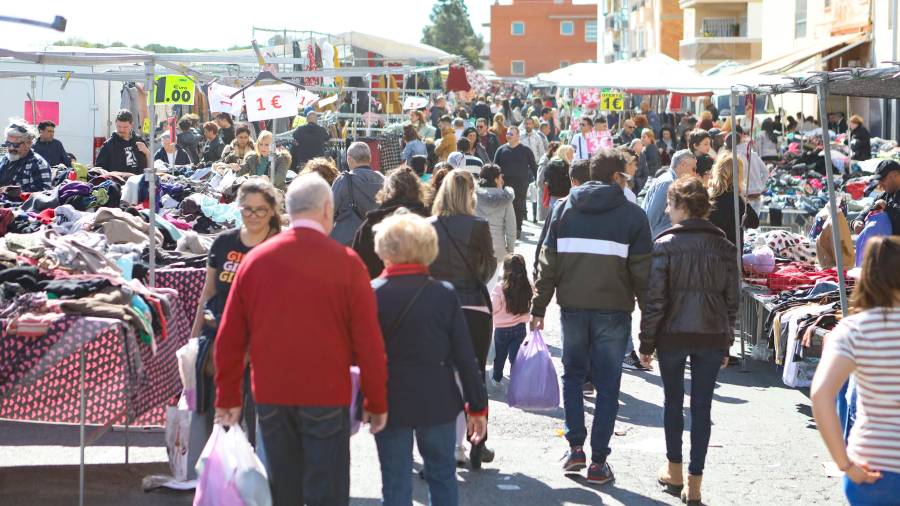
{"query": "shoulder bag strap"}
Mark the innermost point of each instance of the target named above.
(395, 326)
(353, 206)
(472, 271)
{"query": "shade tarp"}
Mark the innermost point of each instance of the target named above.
(653, 73)
(785, 61)
(393, 49)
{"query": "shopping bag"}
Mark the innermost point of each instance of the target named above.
(178, 432)
(187, 367)
(230, 473)
(533, 382)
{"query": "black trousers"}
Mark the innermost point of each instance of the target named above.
(520, 205)
(481, 326)
(308, 454)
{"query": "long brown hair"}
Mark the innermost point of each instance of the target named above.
(879, 282)
(517, 289)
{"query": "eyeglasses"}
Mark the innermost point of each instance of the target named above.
(14, 145)
(259, 212)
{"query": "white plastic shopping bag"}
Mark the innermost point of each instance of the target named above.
(178, 431)
(187, 368)
(230, 473)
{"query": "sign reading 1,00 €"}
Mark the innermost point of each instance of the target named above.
(173, 90)
(612, 101)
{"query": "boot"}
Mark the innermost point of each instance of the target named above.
(691, 493)
(671, 476)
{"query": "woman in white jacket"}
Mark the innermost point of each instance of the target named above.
(494, 203)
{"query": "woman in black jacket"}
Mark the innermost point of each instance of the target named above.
(860, 139)
(690, 310)
(171, 153)
(721, 193)
(466, 259)
(401, 189)
(426, 338)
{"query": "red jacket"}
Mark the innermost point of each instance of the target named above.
(303, 305)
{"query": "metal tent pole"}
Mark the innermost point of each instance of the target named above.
(81, 413)
(150, 173)
(737, 218)
(822, 94)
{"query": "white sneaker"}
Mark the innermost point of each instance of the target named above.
(462, 456)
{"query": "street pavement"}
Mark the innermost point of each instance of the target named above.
(764, 450)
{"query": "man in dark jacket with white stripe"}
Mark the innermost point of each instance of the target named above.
(597, 259)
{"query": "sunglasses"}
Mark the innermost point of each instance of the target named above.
(14, 145)
(259, 212)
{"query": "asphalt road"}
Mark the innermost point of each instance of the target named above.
(764, 450)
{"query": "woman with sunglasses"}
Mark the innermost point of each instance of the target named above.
(261, 215)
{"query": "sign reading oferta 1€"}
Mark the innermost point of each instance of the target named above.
(174, 90)
(610, 101)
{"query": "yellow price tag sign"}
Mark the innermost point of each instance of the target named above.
(612, 101)
(173, 89)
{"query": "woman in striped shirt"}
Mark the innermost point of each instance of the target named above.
(866, 344)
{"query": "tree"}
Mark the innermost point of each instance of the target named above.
(451, 30)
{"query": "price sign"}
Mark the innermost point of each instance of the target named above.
(612, 101)
(220, 99)
(174, 90)
(598, 140)
(271, 102)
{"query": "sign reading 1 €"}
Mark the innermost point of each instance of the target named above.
(612, 101)
(173, 90)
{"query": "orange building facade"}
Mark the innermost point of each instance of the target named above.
(533, 36)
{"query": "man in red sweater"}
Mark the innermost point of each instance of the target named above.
(302, 305)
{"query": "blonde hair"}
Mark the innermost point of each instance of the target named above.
(856, 118)
(706, 115)
(566, 152)
(264, 135)
(406, 238)
(721, 180)
(456, 195)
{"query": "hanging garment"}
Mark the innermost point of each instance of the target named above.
(457, 80)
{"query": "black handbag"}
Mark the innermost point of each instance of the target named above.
(481, 286)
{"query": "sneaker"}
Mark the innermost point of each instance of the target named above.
(588, 387)
(600, 474)
(633, 363)
(461, 457)
(574, 460)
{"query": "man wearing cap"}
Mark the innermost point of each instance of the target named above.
(21, 166)
(309, 141)
(887, 177)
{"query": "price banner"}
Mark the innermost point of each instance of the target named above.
(612, 101)
(174, 90)
(220, 99)
(272, 102)
(598, 140)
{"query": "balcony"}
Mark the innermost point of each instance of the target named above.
(689, 4)
(706, 52)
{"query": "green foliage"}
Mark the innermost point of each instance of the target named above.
(451, 30)
(153, 48)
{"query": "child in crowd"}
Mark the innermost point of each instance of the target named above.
(511, 300)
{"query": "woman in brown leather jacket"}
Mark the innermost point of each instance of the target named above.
(690, 310)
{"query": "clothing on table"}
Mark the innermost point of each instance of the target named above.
(178, 157)
(53, 152)
(31, 172)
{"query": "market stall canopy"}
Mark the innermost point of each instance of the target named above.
(395, 50)
(791, 61)
(657, 73)
(880, 82)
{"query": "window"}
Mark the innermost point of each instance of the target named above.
(720, 27)
(590, 31)
(563, 64)
(799, 19)
(517, 67)
(518, 28)
(567, 28)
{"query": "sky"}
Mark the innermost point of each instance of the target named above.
(228, 24)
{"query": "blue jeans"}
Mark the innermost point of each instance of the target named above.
(593, 346)
(436, 445)
(881, 493)
(705, 365)
(307, 454)
(846, 406)
(506, 343)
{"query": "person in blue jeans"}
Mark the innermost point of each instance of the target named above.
(596, 258)
(866, 344)
(511, 301)
(426, 337)
(689, 314)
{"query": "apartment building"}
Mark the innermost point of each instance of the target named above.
(638, 28)
(533, 36)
